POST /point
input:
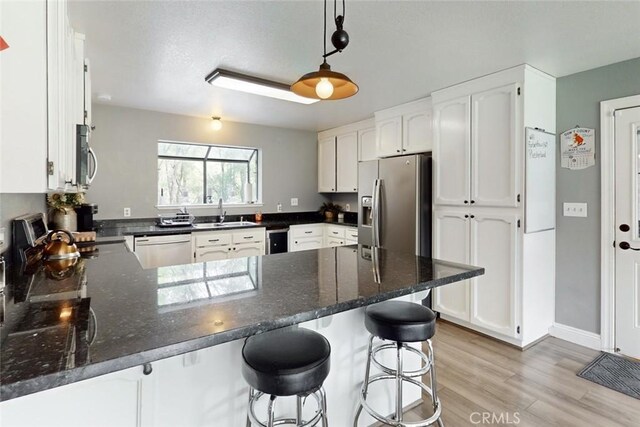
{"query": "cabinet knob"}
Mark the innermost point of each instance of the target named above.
(466, 216)
(473, 216)
(473, 201)
(147, 368)
(397, 151)
(466, 201)
(404, 149)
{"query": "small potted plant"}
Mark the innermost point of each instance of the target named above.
(62, 215)
(330, 210)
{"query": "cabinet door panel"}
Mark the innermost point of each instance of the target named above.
(306, 244)
(214, 253)
(451, 152)
(239, 251)
(494, 149)
(417, 132)
(327, 165)
(389, 137)
(367, 144)
(347, 162)
(451, 243)
(493, 295)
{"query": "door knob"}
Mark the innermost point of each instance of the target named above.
(624, 227)
(625, 246)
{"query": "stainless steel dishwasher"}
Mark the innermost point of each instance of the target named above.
(161, 251)
(278, 241)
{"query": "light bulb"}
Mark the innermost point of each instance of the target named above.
(216, 123)
(324, 88)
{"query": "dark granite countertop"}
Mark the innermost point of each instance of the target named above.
(148, 227)
(118, 315)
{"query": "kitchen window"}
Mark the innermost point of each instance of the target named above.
(200, 174)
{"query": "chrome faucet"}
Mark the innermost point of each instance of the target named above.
(222, 212)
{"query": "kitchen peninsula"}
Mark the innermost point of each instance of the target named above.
(128, 346)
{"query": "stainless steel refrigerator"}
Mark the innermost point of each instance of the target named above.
(394, 203)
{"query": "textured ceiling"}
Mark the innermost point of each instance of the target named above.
(154, 54)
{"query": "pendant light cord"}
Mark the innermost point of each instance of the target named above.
(325, 31)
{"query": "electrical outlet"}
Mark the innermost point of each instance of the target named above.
(347, 207)
(127, 212)
(294, 201)
(279, 207)
(574, 209)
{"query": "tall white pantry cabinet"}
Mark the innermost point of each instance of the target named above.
(479, 200)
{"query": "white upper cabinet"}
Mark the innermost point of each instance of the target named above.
(339, 150)
(417, 131)
(405, 129)
(23, 97)
(367, 144)
(42, 81)
(494, 151)
(452, 152)
(327, 165)
(347, 162)
(389, 137)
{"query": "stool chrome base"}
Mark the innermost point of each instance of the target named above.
(320, 415)
(400, 377)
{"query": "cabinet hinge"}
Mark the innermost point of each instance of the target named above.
(518, 194)
(86, 115)
(518, 329)
(86, 68)
(518, 91)
(518, 223)
(50, 168)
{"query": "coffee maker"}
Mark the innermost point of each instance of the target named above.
(85, 214)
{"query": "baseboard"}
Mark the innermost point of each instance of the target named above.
(576, 336)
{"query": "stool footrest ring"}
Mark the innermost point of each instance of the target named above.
(386, 420)
(426, 363)
(283, 421)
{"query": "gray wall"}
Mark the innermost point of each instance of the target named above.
(578, 239)
(125, 141)
(13, 205)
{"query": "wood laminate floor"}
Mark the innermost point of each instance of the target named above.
(479, 375)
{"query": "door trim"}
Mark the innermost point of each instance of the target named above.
(607, 213)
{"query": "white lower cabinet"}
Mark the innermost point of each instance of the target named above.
(123, 399)
(217, 245)
(316, 236)
(487, 240)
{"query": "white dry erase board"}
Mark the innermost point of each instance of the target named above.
(540, 181)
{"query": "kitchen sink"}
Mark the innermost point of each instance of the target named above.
(210, 225)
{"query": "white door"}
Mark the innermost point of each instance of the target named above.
(249, 249)
(493, 295)
(494, 147)
(627, 170)
(389, 137)
(327, 165)
(417, 132)
(347, 163)
(451, 243)
(212, 253)
(367, 144)
(451, 152)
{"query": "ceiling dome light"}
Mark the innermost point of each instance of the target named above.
(216, 123)
(324, 83)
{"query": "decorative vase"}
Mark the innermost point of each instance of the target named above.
(328, 214)
(64, 219)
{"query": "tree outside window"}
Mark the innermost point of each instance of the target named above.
(194, 174)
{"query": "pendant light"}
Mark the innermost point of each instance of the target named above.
(327, 84)
(216, 123)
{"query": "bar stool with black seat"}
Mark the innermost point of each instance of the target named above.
(286, 362)
(402, 323)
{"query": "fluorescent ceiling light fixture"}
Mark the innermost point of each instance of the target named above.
(255, 85)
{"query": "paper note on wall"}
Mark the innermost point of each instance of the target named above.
(578, 150)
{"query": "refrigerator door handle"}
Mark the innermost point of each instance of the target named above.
(376, 212)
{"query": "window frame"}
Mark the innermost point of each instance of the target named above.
(205, 159)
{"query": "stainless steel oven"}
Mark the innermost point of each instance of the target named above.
(86, 161)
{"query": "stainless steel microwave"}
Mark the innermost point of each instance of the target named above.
(86, 161)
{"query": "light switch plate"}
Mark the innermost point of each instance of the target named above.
(294, 201)
(127, 212)
(347, 207)
(574, 209)
(279, 207)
